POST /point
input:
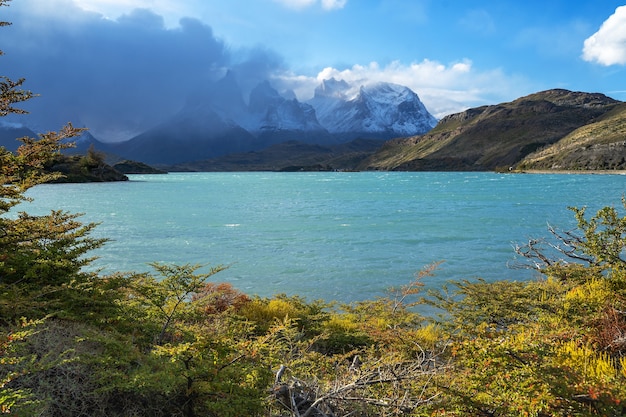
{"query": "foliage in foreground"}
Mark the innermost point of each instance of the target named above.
(171, 343)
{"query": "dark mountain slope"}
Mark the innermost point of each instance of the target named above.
(489, 137)
(10, 134)
(199, 134)
(294, 155)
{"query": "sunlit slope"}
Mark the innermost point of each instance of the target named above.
(497, 136)
(596, 146)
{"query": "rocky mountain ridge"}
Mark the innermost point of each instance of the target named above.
(217, 121)
(384, 109)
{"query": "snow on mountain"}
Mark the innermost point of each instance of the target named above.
(273, 112)
(216, 120)
(382, 109)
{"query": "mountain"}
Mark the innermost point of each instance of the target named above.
(9, 133)
(274, 119)
(290, 155)
(600, 145)
(382, 110)
(497, 136)
(216, 121)
(549, 130)
(198, 132)
(204, 128)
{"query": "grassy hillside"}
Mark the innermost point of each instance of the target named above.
(596, 146)
(497, 136)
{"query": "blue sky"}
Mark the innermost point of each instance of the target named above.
(120, 66)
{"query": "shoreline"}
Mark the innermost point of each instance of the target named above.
(572, 171)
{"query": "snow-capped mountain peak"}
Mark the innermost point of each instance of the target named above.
(333, 88)
(379, 109)
(217, 120)
(269, 111)
(387, 93)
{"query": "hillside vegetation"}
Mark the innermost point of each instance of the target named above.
(90, 167)
(600, 145)
(502, 136)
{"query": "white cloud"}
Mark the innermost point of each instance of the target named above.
(301, 4)
(333, 4)
(608, 45)
(444, 89)
(297, 4)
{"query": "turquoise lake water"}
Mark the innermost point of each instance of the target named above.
(335, 236)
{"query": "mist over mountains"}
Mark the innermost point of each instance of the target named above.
(217, 120)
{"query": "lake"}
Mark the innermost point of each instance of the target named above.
(330, 235)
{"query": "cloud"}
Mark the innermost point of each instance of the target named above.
(301, 4)
(608, 45)
(171, 10)
(444, 89)
(333, 4)
(117, 77)
(122, 76)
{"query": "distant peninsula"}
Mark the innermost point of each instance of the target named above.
(92, 167)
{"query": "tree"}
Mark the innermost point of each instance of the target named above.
(42, 261)
(10, 91)
(41, 257)
(550, 347)
(200, 356)
(166, 300)
(597, 242)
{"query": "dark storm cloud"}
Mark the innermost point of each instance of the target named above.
(115, 77)
(256, 65)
